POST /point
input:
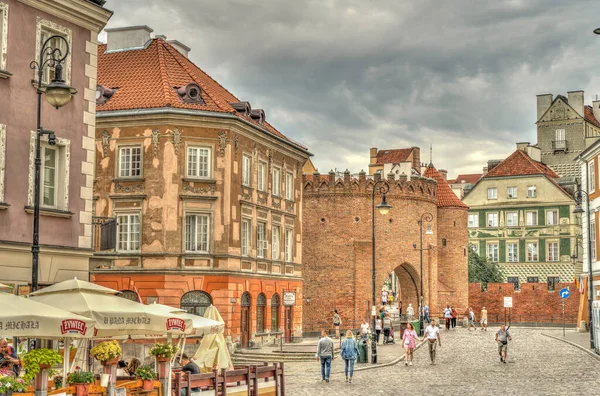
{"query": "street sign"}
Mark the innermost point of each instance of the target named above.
(507, 302)
(289, 299)
(564, 292)
(373, 311)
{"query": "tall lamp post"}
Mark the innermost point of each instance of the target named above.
(382, 187)
(579, 196)
(428, 217)
(58, 94)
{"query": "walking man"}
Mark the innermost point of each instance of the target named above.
(384, 297)
(502, 338)
(483, 319)
(336, 323)
(432, 334)
(448, 316)
(325, 355)
(426, 314)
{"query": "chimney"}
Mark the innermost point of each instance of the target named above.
(485, 170)
(416, 158)
(543, 103)
(596, 109)
(522, 146)
(373, 155)
(492, 164)
(180, 47)
(443, 173)
(535, 153)
(127, 38)
(575, 99)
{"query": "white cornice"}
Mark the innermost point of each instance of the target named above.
(78, 12)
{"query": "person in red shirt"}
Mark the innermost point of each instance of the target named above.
(454, 316)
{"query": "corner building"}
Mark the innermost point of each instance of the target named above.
(197, 196)
(337, 245)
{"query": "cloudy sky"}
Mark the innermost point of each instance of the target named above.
(341, 76)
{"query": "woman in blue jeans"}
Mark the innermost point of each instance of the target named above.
(349, 353)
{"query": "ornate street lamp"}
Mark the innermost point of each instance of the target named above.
(58, 94)
(428, 217)
(579, 195)
(382, 187)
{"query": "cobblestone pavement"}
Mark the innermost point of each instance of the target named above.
(467, 362)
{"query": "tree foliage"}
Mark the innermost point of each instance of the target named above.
(481, 270)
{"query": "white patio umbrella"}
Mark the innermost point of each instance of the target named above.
(213, 352)
(3, 286)
(200, 325)
(114, 315)
(22, 317)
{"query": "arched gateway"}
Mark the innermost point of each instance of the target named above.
(337, 246)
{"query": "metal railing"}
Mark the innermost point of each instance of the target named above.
(560, 145)
(104, 233)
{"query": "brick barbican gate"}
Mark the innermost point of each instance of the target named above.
(337, 228)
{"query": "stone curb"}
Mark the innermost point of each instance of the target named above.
(379, 365)
(589, 352)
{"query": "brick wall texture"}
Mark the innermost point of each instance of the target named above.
(533, 303)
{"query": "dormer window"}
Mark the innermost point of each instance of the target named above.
(103, 94)
(242, 107)
(191, 93)
(258, 115)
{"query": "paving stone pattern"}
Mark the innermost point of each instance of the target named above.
(467, 362)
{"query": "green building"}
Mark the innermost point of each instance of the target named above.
(522, 218)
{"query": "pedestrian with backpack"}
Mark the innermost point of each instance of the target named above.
(349, 353)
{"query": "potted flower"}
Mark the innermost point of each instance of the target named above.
(39, 359)
(10, 384)
(58, 381)
(164, 352)
(146, 374)
(107, 352)
(81, 380)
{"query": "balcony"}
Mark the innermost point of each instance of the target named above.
(104, 233)
(560, 145)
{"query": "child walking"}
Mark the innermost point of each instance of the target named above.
(409, 337)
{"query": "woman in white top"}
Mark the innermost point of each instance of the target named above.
(378, 328)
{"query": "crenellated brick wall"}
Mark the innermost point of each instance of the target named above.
(532, 304)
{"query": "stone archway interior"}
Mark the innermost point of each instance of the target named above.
(408, 286)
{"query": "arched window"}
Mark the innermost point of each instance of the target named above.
(129, 295)
(275, 312)
(196, 302)
(261, 303)
(246, 299)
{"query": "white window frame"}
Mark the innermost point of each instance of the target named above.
(132, 246)
(492, 193)
(44, 149)
(592, 176)
(531, 191)
(593, 239)
(276, 188)
(262, 245)
(246, 170)
(3, 37)
(262, 181)
(131, 169)
(63, 147)
(559, 136)
(276, 242)
(48, 27)
(246, 237)
(289, 245)
(289, 186)
(2, 159)
(201, 238)
(515, 223)
(494, 215)
(550, 211)
(511, 192)
(527, 218)
(492, 252)
(532, 254)
(553, 254)
(195, 170)
(473, 220)
(512, 255)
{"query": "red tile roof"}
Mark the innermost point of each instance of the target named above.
(146, 78)
(393, 156)
(445, 195)
(520, 164)
(589, 116)
(470, 178)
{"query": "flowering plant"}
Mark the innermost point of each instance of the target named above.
(9, 383)
(146, 373)
(58, 381)
(80, 377)
(36, 357)
(106, 350)
(164, 350)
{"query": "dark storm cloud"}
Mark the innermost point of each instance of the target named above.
(342, 76)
